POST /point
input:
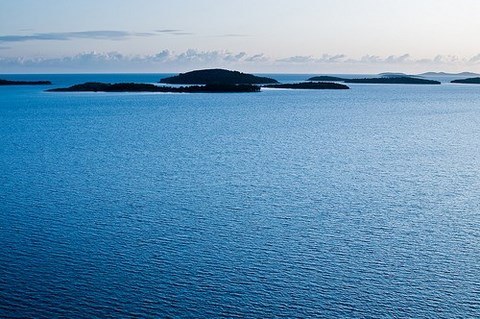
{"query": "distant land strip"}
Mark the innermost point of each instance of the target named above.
(467, 81)
(382, 80)
(309, 86)
(7, 82)
(141, 87)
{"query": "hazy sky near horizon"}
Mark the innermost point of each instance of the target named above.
(264, 36)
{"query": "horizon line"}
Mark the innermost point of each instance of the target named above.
(281, 73)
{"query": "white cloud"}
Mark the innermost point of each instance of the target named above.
(475, 59)
(333, 58)
(297, 59)
(257, 58)
(367, 59)
(115, 61)
(397, 59)
(171, 61)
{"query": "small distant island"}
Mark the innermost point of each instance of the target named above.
(326, 78)
(309, 86)
(7, 82)
(395, 79)
(392, 80)
(467, 81)
(463, 74)
(217, 76)
(396, 75)
(141, 87)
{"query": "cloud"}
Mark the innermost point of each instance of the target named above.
(335, 58)
(397, 59)
(64, 36)
(297, 59)
(173, 32)
(407, 59)
(375, 59)
(193, 56)
(308, 59)
(475, 59)
(171, 61)
(235, 57)
(367, 59)
(257, 58)
(168, 30)
(162, 55)
(98, 34)
(233, 35)
(164, 60)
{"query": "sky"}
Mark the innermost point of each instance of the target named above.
(262, 36)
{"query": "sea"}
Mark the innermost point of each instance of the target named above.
(360, 203)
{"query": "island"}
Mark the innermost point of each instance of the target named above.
(385, 79)
(396, 75)
(143, 87)
(217, 76)
(326, 78)
(8, 82)
(462, 74)
(392, 80)
(309, 86)
(329, 78)
(467, 81)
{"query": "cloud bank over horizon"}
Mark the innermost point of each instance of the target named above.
(302, 36)
(166, 61)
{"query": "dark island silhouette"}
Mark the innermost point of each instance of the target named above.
(7, 82)
(381, 80)
(326, 78)
(141, 87)
(467, 81)
(309, 86)
(217, 76)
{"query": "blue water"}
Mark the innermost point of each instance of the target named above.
(281, 204)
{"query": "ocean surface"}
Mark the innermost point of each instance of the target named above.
(362, 203)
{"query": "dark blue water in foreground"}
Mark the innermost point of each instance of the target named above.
(280, 204)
